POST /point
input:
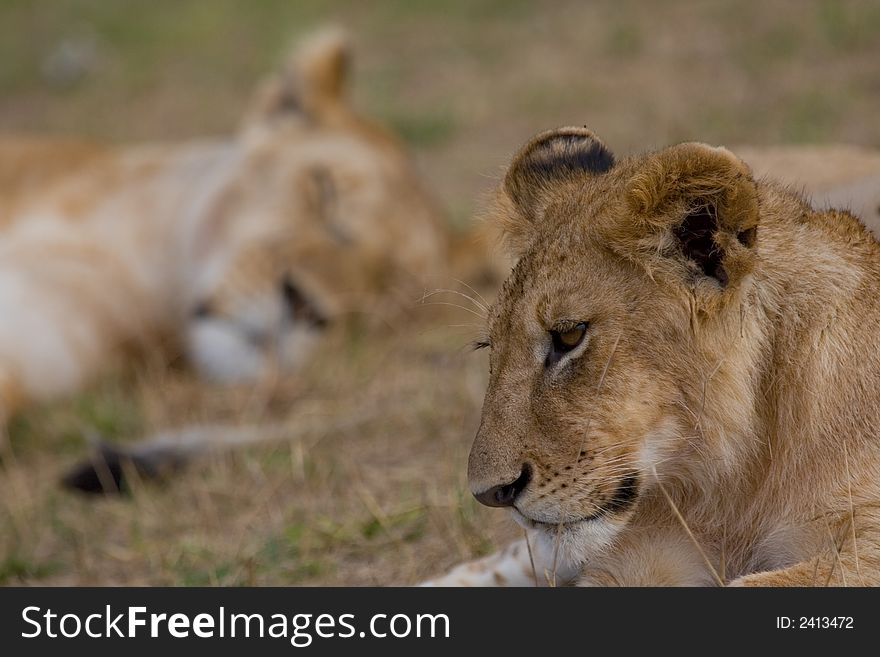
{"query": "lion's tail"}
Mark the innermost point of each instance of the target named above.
(110, 468)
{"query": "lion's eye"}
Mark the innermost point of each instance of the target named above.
(565, 341)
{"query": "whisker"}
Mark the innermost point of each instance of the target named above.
(483, 302)
(455, 305)
(483, 308)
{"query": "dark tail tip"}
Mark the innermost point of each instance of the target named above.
(106, 472)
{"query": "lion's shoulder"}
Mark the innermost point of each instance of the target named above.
(31, 166)
(34, 160)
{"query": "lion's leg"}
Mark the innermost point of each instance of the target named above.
(842, 561)
(801, 574)
(652, 556)
(820, 571)
(508, 567)
(515, 565)
(62, 319)
(44, 353)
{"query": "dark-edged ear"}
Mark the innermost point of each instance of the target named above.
(700, 205)
(550, 159)
(311, 81)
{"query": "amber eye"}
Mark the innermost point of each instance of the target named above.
(565, 341)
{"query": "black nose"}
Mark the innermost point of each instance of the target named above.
(202, 310)
(506, 494)
(299, 305)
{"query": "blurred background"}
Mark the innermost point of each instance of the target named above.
(371, 489)
(463, 82)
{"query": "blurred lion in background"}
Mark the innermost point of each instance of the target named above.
(238, 251)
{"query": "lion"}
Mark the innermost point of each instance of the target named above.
(237, 251)
(684, 383)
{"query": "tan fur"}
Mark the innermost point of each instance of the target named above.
(104, 246)
(734, 390)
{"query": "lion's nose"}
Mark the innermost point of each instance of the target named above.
(506, 494)
(300, 306)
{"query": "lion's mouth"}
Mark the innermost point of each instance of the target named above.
(623, 499)
(551, 527)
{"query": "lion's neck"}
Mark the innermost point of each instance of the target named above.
(788, 421)
(819, 379)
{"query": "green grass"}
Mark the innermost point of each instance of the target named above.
(426, 130)
(812, 117)
(107, 411)
(848, 26)
(15, 569)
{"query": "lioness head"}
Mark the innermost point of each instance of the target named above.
(624, 298)
(320, 213)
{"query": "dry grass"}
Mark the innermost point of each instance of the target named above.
(371, 488)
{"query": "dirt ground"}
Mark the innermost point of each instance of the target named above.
(370, 488)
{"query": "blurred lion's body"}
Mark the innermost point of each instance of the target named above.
(237, 250)
(830, 175)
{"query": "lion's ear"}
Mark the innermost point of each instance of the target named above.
(548, 160)
(701, 205)
(311, 82)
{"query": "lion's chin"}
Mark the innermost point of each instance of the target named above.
(570, 543)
